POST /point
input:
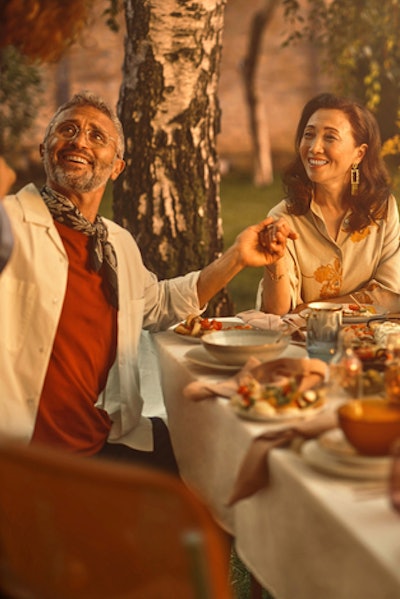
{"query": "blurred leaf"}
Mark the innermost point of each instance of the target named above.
(20, 96)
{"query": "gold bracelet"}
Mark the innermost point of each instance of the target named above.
(273, 276)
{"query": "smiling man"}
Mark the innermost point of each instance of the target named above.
(75, 296)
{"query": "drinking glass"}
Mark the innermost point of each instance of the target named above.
(324, 322)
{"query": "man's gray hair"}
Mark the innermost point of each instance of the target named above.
(87, 98)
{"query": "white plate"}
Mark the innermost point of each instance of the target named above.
(379, 311)
(322, 461)
(294, 415)
(201, 357)
(226, 323)
(334, 443)
(354, 318)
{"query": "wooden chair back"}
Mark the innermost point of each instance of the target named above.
(81, 528)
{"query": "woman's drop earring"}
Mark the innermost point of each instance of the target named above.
(354, 179)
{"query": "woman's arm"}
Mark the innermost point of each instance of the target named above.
(275, 289)
(275, 285)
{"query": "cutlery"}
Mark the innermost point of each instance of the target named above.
(355, 300)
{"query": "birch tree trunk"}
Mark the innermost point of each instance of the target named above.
(263, 171)
(168, 197)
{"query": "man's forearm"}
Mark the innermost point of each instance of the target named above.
(218, 274)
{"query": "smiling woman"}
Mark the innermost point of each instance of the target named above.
(338, 201)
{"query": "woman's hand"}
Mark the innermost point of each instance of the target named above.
(264, 243)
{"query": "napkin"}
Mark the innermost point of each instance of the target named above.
(263, 320)
(253, 472)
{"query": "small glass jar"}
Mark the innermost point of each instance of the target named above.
(345, 368)
(392, 368)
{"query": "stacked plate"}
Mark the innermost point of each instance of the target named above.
(332, 454)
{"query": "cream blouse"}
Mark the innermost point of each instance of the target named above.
(321, 268)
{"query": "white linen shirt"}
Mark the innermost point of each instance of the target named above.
(32, 290)
(320, 267)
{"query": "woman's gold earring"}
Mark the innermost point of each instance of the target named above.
(354, 179)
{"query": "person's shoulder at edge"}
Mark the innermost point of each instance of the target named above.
(28, 199)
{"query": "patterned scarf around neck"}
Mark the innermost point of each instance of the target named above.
(102, 253)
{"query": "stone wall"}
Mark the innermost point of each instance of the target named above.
(286, 78)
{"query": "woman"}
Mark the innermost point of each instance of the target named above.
(338, 201)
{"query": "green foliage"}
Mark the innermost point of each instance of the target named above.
(243, 204)
(357, 42)
(20, 97)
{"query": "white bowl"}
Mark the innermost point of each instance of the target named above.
(236, 346)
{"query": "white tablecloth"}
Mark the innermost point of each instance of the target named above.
(306, 535)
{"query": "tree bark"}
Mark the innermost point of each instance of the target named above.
(263, 171)
(168, 196)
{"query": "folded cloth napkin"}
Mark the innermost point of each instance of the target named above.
(253, 472)
(263, 320)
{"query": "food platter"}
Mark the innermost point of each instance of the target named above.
(225, 322)
(371, 311)
(280, 417)
(278, 394)
(368, 343)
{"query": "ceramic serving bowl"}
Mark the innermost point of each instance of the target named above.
(370, 425)
(236, 347)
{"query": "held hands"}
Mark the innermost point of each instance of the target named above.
(264, 243)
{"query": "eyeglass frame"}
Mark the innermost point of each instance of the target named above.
(79, 130)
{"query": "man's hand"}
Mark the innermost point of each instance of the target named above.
(264, 243)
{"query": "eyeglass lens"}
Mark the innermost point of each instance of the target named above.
(96, 137)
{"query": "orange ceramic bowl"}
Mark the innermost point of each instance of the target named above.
(370, 425)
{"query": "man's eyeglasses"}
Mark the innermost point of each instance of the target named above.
(96, 138)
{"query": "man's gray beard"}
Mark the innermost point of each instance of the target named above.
(81, 183)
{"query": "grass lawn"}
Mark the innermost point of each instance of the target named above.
(243, 204)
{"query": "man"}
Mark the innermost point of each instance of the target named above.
(76, 295)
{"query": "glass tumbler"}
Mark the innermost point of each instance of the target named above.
(324, 322)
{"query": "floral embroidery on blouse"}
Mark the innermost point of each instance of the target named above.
(331, 276)
(357, 236)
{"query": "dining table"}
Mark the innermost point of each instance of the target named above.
(304, 532)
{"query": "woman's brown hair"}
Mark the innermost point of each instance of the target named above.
(370, 203)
